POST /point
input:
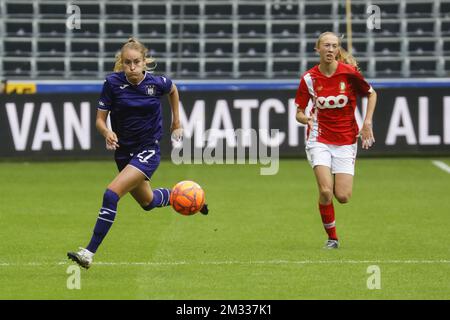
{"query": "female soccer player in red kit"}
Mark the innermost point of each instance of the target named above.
(332, 130)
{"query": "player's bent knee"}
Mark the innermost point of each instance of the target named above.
(343, 198)
(326, 195)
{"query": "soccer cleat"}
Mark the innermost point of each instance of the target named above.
(204, 210)
(331, 244)
(83, 257)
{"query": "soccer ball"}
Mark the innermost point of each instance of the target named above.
(187, 197)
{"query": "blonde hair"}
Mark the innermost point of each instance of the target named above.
(134, 44)
(343, 55)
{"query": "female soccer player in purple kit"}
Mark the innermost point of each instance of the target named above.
(132, 98)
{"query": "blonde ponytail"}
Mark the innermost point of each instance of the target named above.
(134, 44)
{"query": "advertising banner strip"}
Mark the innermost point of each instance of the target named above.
(407, 121)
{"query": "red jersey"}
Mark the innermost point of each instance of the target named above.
(334, 103)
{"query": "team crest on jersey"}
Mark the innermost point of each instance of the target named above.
(342, 87)
(151, 90)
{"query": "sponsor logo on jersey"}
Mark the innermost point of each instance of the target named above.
(331, 102)
(342, 87)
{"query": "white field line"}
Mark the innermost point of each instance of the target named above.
(441, 165)
(235, 262)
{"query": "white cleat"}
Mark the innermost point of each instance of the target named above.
(331, 244)
(83, 257)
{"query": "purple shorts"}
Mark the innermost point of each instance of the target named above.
(146, 160)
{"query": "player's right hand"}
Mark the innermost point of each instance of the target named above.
(111, 141)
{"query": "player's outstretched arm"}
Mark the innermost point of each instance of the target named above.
(174, 101)
(366, 133)
(110, 137)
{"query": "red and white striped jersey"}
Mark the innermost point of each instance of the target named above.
(334, 103)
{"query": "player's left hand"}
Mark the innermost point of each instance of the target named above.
(366, 134)
(177, 132)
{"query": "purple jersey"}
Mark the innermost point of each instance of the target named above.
(135, 110)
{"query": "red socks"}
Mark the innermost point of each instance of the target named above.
(329, 223)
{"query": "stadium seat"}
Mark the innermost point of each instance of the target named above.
(185, 49)
(390, 28)
(16, 67)
(444, 9)
(446, 47)
(447, 66)
(363, 65)
(309, 49)
(318, 11)
(280, 11)
(118, 29)
(422, 67)
(420, 28)
(359, 47)
(89, 10)
(84, 48)
(314, 28)
(251, 69)
(152, 29)
(419, 9)
(285, 30)
(218, 29)
(218, 10)
(358, 10)
(49, 10)
(185, 11)
(388, 68)
(17, 48)
(286, 69)
(286, 49)
(152, 11)
(111, 47)
(50, 68)
(185, 69)
(252, 49)
(54, 28)
(390, 10)
(118, 10)
(445, 28)
(157, 48)
(185, 30)
(388, 47)
(90, 29)
(219, 49)
(311, 62)
(252, 29)
(359, 28)
(108, 65)
(84, 68)
(421, 47)
(51, 48)
(18, 28)
(251, 11)
(15, 9)
(218, 68)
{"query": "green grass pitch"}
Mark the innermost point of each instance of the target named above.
(262, 240)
